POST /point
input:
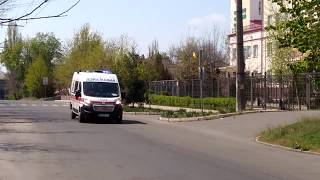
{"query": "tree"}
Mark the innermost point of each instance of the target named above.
(281, 57)
(214, 53)
(48, 48)
(155, 69)
(11, 58)
(35, 74)
(86, 52)
(183, 53)
(300, 31)
(135, 87)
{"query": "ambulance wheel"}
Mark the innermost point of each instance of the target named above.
(119, 120)
(73, 115)
(82, 117)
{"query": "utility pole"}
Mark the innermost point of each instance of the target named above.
(241, 100)
(201, 77)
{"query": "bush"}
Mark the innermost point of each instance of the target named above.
(182, 113)
(221, 104)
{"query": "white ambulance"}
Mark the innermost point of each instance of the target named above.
(95, 95)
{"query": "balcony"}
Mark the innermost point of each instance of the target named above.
(252, 26)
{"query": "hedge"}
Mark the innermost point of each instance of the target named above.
(221, 104)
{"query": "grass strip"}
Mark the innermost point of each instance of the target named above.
(303, 135)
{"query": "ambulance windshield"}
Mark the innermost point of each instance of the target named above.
(101, 89)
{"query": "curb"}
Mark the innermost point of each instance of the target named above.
(213, 117)
(142, 113)
(285, 148)
(173, 108)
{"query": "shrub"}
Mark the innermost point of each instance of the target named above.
(182, 113)
(221, 104)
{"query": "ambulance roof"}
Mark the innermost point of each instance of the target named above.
(95, 77)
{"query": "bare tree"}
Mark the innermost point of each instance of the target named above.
(7, 5)
(214, 54)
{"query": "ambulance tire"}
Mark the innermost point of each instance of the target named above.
(82, 117)
(119, 120)
(73, 115)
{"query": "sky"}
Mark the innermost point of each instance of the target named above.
(168, 21)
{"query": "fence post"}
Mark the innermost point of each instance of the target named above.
(212, 90)
(218, 87)
(308, 92)
(178, 89)
(251, 90)
(281, 102)
(192, 88)
(228, 84)
(166, 84)
(265, 91)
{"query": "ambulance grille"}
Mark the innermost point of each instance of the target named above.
(103, 108)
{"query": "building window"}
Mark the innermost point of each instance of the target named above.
(269, 49)
(270, 20)
(244, 13)
(255, 51)
(247, 52)
(234, 54)
(260, 8)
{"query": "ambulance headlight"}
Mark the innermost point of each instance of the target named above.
(118, 102)
(87, 102)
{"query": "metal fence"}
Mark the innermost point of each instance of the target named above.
(266, 91)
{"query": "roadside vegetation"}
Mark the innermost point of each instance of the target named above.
(303, 135)
(223, 105)
(139, 109)
(182, 113)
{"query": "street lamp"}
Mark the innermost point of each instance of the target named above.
(201, 74)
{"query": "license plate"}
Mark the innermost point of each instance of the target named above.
(103, 115)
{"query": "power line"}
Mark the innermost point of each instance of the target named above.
(43, 4)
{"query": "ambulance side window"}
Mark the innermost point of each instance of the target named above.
(80, 87)
(76, 87)
(72, 87)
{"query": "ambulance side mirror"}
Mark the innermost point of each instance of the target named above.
(78, 94)
(123, 95)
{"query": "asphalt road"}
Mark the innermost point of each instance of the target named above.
(38, 140)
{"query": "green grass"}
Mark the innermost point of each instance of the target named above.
(303, 135)
(183, 114)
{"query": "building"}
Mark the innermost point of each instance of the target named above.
(257, 14)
